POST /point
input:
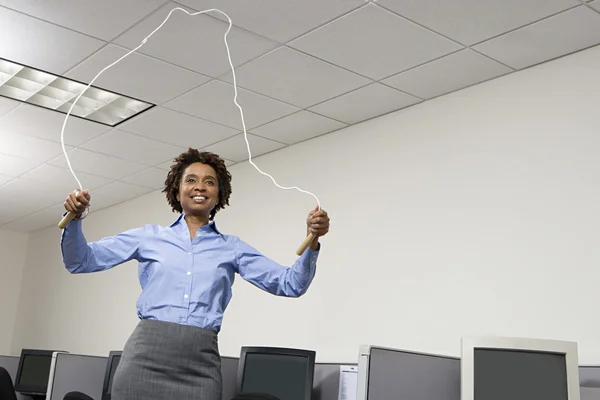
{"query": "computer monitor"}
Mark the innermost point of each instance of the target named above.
(111, 366)
(33, 372)
(285, 373)
(389, 374)
(494, 368)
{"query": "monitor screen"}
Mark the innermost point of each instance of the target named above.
(519, 375)
(35, 370)
(396, 374)
(287, 376)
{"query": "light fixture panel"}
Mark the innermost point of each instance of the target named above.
(53, 92)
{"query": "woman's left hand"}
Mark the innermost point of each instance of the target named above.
(317, 222)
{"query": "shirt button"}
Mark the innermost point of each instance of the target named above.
(188, 273)
(185, 296)
(189, 253)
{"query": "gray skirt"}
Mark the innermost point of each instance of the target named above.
(168, 361)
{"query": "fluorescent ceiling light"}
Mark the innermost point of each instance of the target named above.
(53, 92)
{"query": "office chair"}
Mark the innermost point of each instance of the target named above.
(76, 396)
(7, 388)
(255, 396)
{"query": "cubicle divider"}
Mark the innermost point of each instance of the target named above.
(327, 381)
(80, 373)
(589, 382)
(229, 368)
(10, 364)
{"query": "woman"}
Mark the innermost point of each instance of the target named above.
(186, 271)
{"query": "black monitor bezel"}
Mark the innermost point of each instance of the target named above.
(309, 354)
(31, 389)
(111, 356)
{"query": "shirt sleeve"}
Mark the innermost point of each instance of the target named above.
(273, 277)
(79, 256)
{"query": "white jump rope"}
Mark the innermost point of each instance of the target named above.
(70, 216)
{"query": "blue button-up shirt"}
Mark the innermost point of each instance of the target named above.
(186, 281)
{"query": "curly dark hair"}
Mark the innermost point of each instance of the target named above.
(182, 162)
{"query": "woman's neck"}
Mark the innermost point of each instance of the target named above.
(195, 221)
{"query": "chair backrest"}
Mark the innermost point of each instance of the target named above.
(7, 390)
(255, 396)
(76, 396)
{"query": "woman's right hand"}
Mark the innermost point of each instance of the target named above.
(77, 202)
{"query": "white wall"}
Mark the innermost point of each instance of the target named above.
(13, 252)
(474, 213)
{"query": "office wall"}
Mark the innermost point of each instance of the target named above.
(474, 213)
(13, 251)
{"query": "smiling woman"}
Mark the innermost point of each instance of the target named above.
(186, 271)
(198, 185)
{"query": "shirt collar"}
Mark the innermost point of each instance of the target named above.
(180, 221)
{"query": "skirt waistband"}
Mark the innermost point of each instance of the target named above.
(170, 336)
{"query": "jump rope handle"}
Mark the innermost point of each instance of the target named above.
(65, 221)
(305, 244)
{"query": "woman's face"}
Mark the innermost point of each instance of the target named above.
(198, 190)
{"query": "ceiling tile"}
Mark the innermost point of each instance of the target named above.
(10, 213)
(47, 185)
(97, 164)
(447, 74)
(16, 203)
(276, 19)
(133, 147)
(176, 128)
(364, 103)
(166, 166)
(27, 40)
(298, 127)
(88, 16)
(4, 178)
(119, 191)
(137, 75)
(153, 178)
(38, 220)
(100, 202)
(15, 166)
(472, 21)
(374, 42)
(195, 42)
(28, 147)
(47, 124)
(7, 105)
(296, 78)
(236, 149)
(562, 34)
(60, 179)
(214, 102)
